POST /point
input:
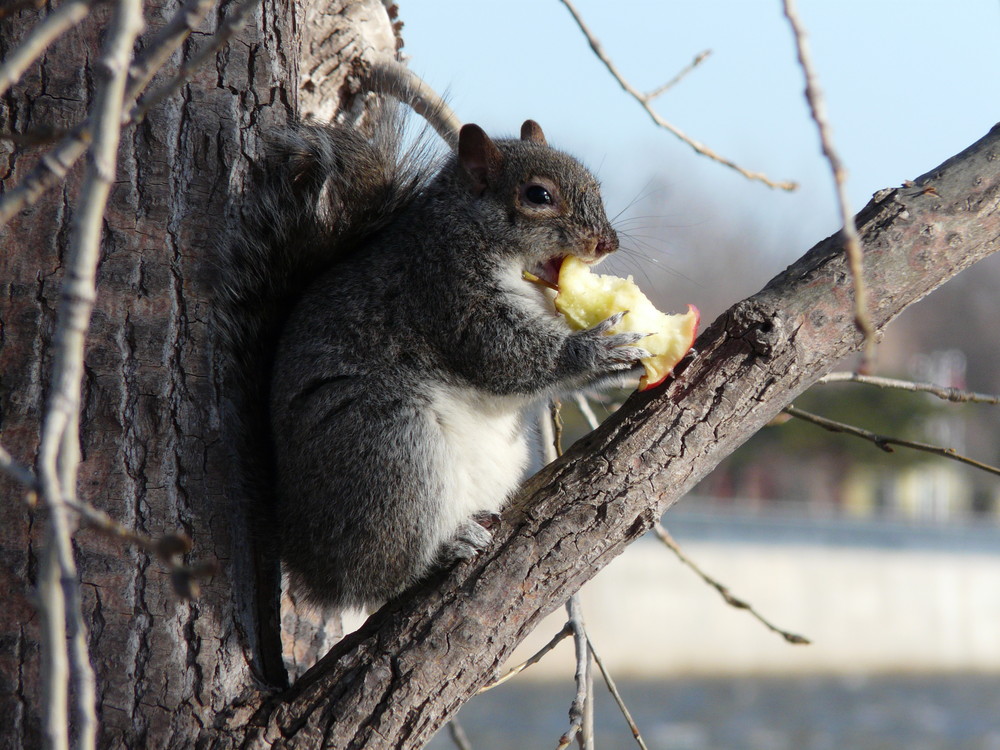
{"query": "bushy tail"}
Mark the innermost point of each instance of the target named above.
(316, 197)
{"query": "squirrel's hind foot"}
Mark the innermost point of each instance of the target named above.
(471, 538)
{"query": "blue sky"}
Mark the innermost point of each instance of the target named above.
(907, 83)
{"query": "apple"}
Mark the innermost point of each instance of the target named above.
(586, 298)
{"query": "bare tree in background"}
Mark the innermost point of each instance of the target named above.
(174, 671)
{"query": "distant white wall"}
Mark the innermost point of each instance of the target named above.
(866, 610)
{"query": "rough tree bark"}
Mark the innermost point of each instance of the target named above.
(152, 440)
(176, 673)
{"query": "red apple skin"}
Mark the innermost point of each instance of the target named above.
(644, 385)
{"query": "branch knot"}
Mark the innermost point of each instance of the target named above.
(763, 330)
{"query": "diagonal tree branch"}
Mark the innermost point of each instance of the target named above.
(395, 681)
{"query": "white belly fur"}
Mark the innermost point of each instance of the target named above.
(483, 452)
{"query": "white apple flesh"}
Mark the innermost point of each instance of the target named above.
(586, 298)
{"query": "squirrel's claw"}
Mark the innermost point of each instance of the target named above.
(616, 349)
(470, 539)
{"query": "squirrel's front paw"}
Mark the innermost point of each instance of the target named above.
(610, 352)
(471, 538)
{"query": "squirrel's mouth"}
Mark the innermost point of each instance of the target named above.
(546, 273)
(549, 270)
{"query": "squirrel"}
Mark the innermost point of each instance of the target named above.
(387, 346)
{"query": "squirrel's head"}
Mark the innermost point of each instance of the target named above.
(542, 202)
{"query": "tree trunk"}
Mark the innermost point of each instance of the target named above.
(178, 673)
(155, 455)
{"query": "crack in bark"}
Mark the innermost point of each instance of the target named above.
(21, 718)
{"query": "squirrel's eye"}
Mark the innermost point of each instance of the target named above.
(538, 195)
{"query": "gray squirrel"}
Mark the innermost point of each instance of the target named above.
(387, 346)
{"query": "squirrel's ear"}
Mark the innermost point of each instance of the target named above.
(479, 156)
(532, 131)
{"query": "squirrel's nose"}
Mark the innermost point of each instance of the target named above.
(606, 244)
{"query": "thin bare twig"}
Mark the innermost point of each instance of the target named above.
(698, 60)
(40, 136)
(546, 434)
(20, 473)
(168, 548)
(613, 689)
(233, 23)
(555, 412)
(580, 708)
(566, 631)
(54, 656)
(586, 737)
(581, 711)
(458, 735)
(885, 442)
(84, 679)
(163, 44)
(646, 101)
(852, 241)
(165, 547)
(63, 18)
(955, 395)
(723, 590)
(53, 166)
(50, 170)
(585, 409)
(669, 541)
(59, 453)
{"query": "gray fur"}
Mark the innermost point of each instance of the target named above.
(401, 371)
